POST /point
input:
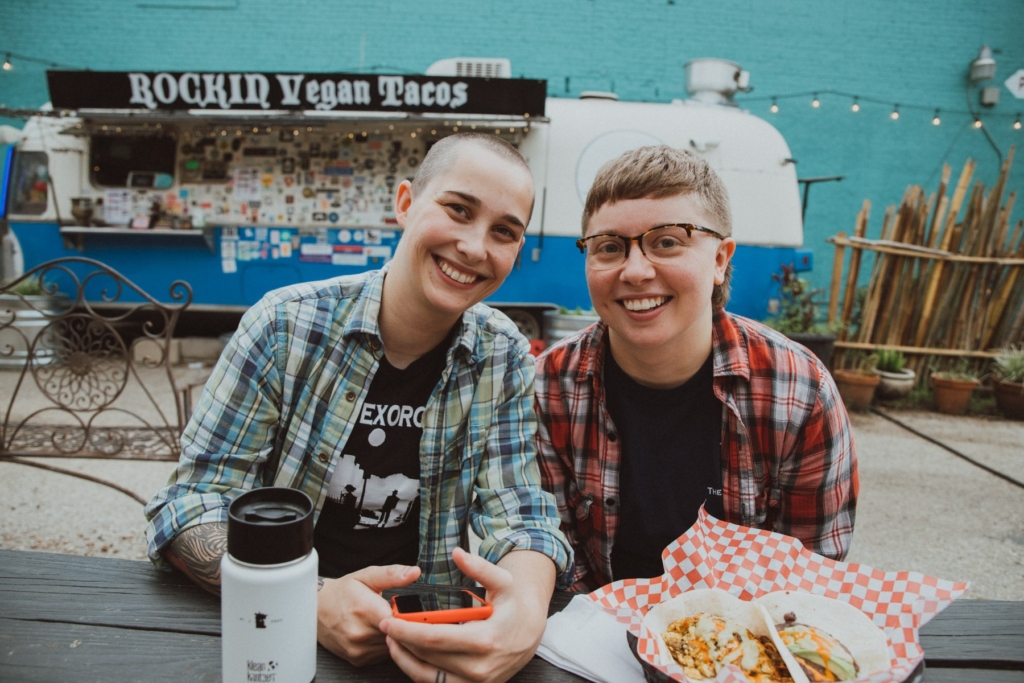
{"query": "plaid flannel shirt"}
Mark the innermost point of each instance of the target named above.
(788, 461)
(283, 399)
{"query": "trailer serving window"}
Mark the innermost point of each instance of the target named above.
(112, 158)
(30, 184)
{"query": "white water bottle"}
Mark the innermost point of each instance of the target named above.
(268, 589)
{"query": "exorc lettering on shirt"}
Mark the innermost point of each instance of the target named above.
(391, 416)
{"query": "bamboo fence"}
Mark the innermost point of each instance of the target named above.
(941, 291)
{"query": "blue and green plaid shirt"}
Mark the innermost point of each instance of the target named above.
(282, 401)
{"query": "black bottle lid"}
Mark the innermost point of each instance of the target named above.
(272, 525)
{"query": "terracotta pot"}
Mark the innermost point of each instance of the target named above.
(856, 388)
(951, 395)
(1010, 399)
(895, 384)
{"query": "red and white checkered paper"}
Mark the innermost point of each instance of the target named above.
(749, 563)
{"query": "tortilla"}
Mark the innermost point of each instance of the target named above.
(748, 615)
(847, 624)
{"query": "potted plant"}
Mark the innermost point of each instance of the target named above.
(27, 306)
(953, 388)
(800, 317)
(897, 380)
(562, 323)
(857, 385)
(1008, 384)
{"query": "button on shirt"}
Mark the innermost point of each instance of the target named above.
(283, 398)
(788, 461)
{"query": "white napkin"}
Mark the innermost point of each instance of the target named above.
(587, 641)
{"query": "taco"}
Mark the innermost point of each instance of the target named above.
(704, 631)
(820, 655)
(830, 639)
(704, 644)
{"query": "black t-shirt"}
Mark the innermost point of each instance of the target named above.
(671, 464)
(372, 513)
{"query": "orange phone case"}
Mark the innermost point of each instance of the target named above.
(447, 616)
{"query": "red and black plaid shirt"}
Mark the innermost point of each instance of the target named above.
(788, 461)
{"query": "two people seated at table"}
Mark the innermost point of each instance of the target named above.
(405, 409)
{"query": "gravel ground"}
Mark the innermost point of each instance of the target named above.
(921, 507)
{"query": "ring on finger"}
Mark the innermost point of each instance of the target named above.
(441, 677)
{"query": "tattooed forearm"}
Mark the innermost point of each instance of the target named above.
(197, 552)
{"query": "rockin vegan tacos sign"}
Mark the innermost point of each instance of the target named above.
(272, 91)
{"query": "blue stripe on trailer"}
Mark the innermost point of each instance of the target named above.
(5, 180)
(557, 277)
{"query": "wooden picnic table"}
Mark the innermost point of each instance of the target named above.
(70, 618)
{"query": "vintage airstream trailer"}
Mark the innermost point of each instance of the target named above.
(241, 183)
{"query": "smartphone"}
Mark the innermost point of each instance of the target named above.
(442, 607)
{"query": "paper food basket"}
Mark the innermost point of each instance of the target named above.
(749, 563)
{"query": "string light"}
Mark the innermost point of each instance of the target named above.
(775, 106)
(1016, 124)
(977, 122)
(7, 62)
(856, 106)
(936, 121)
(815, 102)
(895, 112)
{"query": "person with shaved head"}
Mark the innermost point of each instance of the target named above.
(403, 407)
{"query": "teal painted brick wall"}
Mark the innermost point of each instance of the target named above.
(901, 51)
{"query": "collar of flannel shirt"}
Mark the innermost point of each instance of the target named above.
(363, 320)
(727, 345)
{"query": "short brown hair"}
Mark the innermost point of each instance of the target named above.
(658, 172)
(441, 155)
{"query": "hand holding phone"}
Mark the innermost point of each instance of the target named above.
(441, 607)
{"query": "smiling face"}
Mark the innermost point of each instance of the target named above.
(658, 310)
(463, 231)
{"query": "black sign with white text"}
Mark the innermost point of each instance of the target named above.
(269, 91)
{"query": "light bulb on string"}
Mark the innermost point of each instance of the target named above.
(815, 102)
(855, 107)
(936, 121)
(977, 122)
(7, 62)
(775, 106)
(895, 112)
(1016, 124)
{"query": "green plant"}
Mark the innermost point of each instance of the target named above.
(30, 287)
(891, 360)
(960, 371)
(562, 310)
(799, 310)
(1009, 365)
(867, 363)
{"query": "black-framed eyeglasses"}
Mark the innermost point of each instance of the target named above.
(660, 244)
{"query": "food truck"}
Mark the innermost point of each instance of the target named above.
(239, 183)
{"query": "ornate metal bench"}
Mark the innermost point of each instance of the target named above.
(90, 377)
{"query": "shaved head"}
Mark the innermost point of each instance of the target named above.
(442, 155)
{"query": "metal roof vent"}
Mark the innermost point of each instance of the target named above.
(715, 81)
(479, 67)
(598, 95)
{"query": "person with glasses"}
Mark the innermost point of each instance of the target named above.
(670, 403)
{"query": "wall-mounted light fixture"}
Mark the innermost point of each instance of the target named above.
(983, 67)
